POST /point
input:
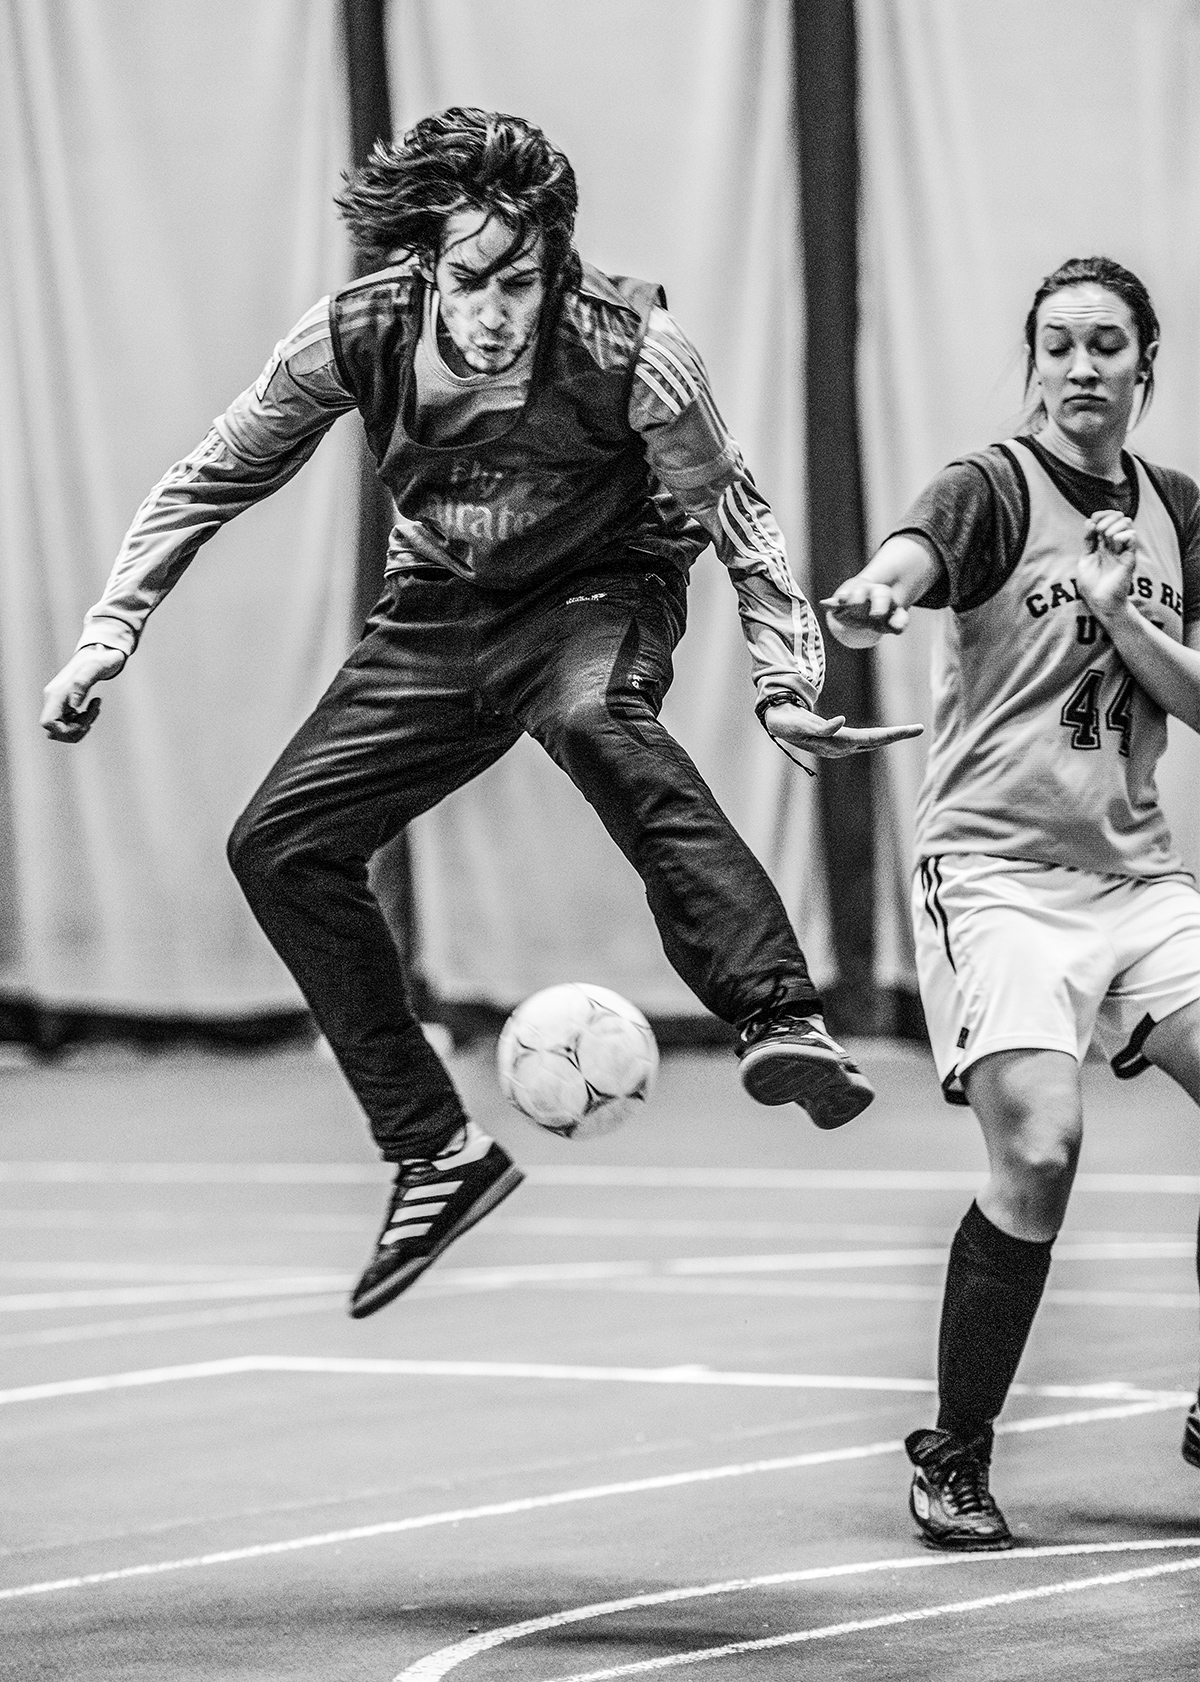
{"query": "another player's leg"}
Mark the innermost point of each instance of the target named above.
(1174, 1046)
(388, 740)
(592, 676)
(1028, 1105)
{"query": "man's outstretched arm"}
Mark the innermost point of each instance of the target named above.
(691, 452)
(262, 440)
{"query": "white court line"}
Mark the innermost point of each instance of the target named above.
(803, 1261)
(1143, 1249)
(89, 1330)
(533, 1273)
(195, 1173)
(859, 1292)
(175, 1273)
(126, 1220)
(559, 1498)
(125, 1296)
(553, 1372)
(436, 1665)
(444, 1284)
(505, 1277)
(570, 1174)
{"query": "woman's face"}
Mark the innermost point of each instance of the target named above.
(1088, 362)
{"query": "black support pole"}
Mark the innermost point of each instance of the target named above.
(825, 57)
(366, 58)
(365, 36)
(370, 120)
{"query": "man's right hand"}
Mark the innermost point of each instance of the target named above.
(68, 715)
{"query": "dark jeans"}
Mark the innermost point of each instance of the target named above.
(446, 679)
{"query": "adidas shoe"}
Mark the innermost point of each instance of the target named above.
(949, 1498)
(434, 1201)
(1191, 1435)
(790, 1059)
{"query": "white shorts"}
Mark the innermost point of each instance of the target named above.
(1014, 955)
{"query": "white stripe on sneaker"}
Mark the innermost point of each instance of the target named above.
(414, 1216)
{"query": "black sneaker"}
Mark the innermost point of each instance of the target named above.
(434, 1201)
(790, 1059)
(1191, 1435)
(949, 1498)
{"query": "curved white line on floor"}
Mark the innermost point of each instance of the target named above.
(495, 1509)
(566, 1497)
(436, 1665)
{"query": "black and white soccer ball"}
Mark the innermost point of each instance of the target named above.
(577, 1060)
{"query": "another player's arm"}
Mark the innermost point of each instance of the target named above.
(263, 439)
(1168, 671)
(693, 455)
(875, 602)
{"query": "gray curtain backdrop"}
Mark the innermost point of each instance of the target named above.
(997, 141)
(166, 175)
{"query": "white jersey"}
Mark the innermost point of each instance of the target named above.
(1043, 746)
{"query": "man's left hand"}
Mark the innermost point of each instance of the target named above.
(831, 738)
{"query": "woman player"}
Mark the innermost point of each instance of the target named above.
(1049, 902)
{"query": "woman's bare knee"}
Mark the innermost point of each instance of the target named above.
(1028, 1106)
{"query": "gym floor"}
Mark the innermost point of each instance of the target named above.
(648, 1416)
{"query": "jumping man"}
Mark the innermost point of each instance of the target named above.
(557, 462)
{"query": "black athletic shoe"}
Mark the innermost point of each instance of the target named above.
(1191, 1435)
(434, 1201)
(949, 1498)
(790, 1059)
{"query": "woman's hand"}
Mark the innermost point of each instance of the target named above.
(1105, 570)
(829, 738)
(860, 611)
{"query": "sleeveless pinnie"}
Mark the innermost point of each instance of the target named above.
(1043, 746)
(565, 484)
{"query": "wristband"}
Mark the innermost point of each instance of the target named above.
(777, 698)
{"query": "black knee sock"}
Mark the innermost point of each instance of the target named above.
(993, 1287)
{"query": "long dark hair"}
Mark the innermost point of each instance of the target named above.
(1100, 271)
(397, 203)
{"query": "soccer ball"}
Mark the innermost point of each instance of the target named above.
(576, 1060)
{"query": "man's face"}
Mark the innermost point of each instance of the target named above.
(489, 321)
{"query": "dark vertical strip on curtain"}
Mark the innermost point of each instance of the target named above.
(10, 924)
(825, 58)
(370, 120)
(370, 110)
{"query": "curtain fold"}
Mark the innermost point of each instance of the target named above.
(994, 146)
(677, 120)
(166, 176)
